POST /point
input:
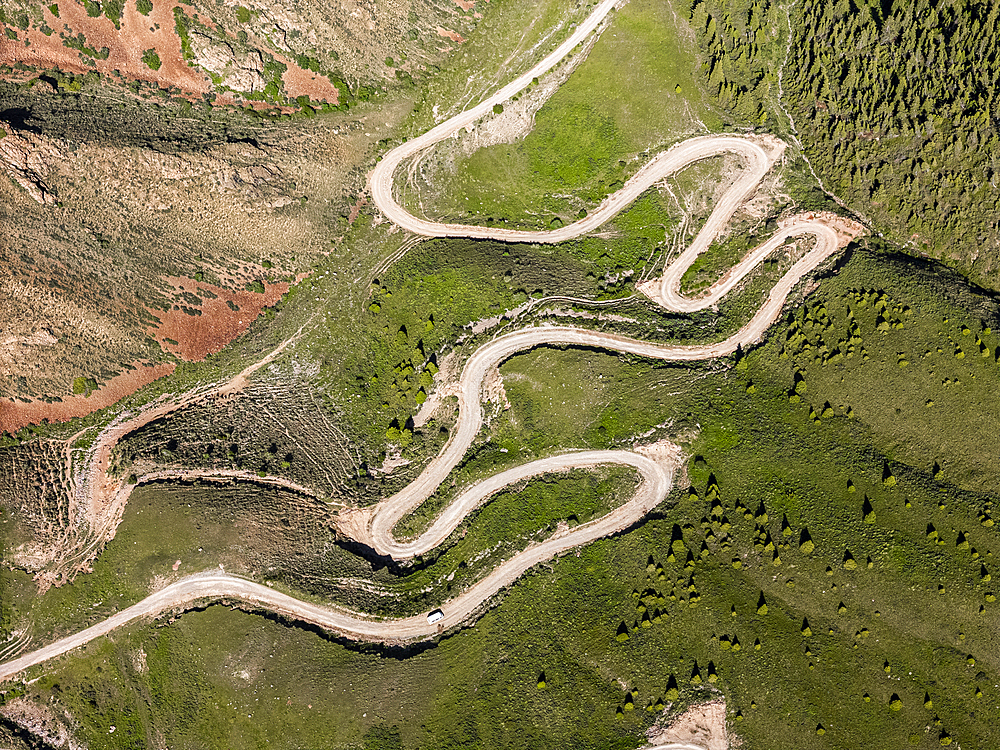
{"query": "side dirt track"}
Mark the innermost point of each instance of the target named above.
(373, 526)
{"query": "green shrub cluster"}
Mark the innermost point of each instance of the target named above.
(151, 59)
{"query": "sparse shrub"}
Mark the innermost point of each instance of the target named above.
(84, 386)
(671, 693)
(622, 635)
(151, 59)
(695, 675)
(849, 562)
(888, 479)
(761, 605)
(713, 676)
(806, 545)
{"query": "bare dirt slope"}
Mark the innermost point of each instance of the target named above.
(122, 255)
(137, 227)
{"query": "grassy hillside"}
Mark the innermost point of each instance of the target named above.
(868, 536)
(824, 562)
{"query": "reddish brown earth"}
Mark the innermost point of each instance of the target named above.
(300, 82)
(197, 336)
(453, 35)
(15, 415)
(137, 34)
(126, 44)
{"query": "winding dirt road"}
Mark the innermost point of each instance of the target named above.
(97, 499)
(655, 464)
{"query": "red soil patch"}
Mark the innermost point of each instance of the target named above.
(126, 45)
(197, 336)
(137, 34)
(301, 82)
(15, 415)
(453, 35)
(356, 209)
(466, 4)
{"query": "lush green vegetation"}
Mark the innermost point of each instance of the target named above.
(588, 137)
(825, 557)
(151, 60)
(825, 562)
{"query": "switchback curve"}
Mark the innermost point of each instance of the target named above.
(374, 526)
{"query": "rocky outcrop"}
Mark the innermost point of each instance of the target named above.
(26, 158)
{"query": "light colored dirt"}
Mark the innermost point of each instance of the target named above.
(42, 723)
(197, 336)
(434, 406)
(373, 526)
(16, 414)
(702, 726)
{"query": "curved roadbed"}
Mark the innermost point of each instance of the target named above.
(373, 526)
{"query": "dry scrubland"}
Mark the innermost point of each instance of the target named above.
(126, 185)
(825, 563)
(141, 244)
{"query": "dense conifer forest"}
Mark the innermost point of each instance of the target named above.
(894, 103)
